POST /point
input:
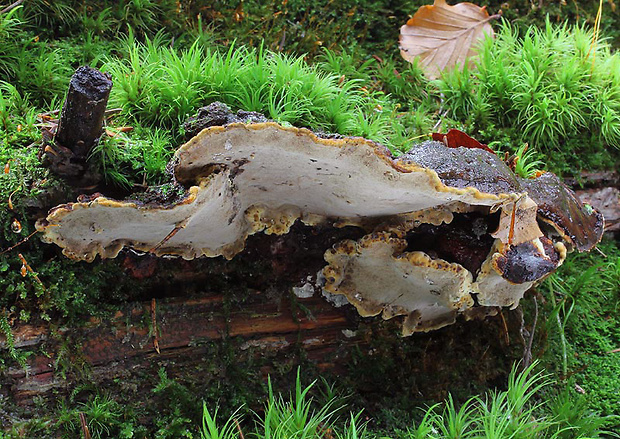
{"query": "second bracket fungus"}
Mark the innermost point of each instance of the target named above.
(449, 230)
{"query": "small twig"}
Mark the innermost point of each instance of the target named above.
(174, 231)
(48, 113)
(12, 6)
(561, 331)
(238, 428)
(280, 49)
(577, 17)
(84, 426)
(113, 111)
(527, 355)
(19, 243)
(613, 351)
(600, 251)
(506, 335)
(440, 119)
(154, 323)
(513, 216)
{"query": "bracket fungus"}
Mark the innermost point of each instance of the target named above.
(449, 231)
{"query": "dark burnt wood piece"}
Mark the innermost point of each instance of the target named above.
(81, 123)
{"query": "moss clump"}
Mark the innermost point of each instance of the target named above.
(584, 326)
(560, 92)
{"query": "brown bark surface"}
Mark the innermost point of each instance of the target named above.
(148, 332)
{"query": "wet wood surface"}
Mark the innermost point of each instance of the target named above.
(180, 329)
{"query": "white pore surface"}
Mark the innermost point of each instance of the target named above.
(333, 178)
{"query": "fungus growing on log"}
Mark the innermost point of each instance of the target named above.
(449, 230)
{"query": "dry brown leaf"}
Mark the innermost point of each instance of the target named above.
(443, 36)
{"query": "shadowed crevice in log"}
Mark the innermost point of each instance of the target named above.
(268, 261)
(466, 240)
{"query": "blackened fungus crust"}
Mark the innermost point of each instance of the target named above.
(218, 114)
(525, 263)
(557, 204)
(465, 167)
(91, 82)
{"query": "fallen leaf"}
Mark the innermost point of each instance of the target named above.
(579, 389)
(455, 138)
(443, 36)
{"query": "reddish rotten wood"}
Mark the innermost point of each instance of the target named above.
(125, 342)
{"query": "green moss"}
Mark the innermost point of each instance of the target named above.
(544, 82)
(587, 295)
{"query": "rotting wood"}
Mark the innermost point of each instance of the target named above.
(267, 331)
(81, 123)
(185, 326)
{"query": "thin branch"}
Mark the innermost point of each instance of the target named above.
(19, 243)
(12, 6)
(505, 325)
(154, 323)
(527, 355)
(238, 428)
(600, 251)
(174, 231)
(84, 426)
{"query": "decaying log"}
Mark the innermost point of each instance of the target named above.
(265, 333)
(266, 309)
(248, 303)
(81, 122)
(255, 307)
(181, 328)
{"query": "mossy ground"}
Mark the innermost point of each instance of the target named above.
(313, 45)
(586, 302)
